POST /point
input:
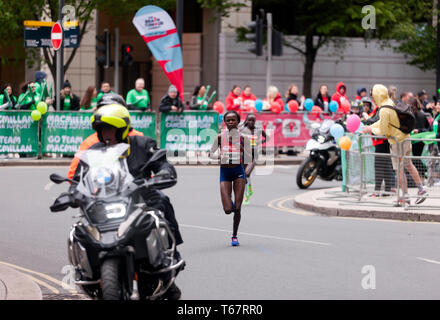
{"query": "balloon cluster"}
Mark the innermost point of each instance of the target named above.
(353, 124)
(39, 111)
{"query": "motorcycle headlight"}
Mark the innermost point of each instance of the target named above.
(115, 210)
(321, 139)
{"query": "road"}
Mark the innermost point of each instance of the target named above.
(285, 253)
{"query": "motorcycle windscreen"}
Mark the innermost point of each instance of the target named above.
(325, 126)
(107, 173)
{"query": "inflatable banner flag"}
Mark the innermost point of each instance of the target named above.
(160, 34)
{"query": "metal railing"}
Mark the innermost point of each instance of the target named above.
(368, 167)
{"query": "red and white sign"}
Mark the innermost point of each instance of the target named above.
(56, 36)
(288, 129)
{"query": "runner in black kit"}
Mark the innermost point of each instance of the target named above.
(254, 136)
(233, 154)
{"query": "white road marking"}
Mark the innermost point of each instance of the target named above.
(257, 235)
(428, 260)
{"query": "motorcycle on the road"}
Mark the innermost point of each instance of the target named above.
(120, 248)
(324, 159)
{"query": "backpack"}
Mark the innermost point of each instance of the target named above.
(406, 117)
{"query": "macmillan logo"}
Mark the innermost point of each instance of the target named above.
(153, 23)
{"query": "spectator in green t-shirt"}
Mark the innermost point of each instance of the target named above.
(105, 88)
(68, 100)
(89, 100)
(28, 98)
(138, 98)
(7, 98)
(41, 89)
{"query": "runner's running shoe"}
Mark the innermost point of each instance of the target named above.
(235, 242)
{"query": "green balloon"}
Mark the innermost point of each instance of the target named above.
(36, 115)
(42, 107)
(438, 90)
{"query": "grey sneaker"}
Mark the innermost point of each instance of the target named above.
(422, 196)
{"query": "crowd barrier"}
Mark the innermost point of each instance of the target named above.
(63, 132)
(367, 172)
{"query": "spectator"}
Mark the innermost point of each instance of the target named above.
(27, 99)
(233, 100)
(388, 125)
(196, 102)
(105, 88)
(273, 95)
(383, 167)
(7, 98)
(361, 92)
(292, 94)
(392, 92)
(340, 97)
(322, 99)
(433, 168)
(369, 109)
(89, 100)
(404, 96)
(138, 98)
(423, 98)
(248, 99)
(171, 101)
(68, 100)
(41, 89)
(422, 125)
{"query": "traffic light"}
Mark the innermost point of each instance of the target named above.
(277, 43)
(256, 35)
(103, 49)
(127, 59)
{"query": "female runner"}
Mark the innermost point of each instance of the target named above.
(233, 153)
(254, 135)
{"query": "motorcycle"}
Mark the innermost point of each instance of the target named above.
(120, 248)
(324, 159)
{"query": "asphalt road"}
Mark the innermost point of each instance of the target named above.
(285, 253)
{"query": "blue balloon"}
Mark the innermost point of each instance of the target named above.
(333, 106)
(220, 118)
(308, 104)
(286, 107)
(337, 131)
(259, 105)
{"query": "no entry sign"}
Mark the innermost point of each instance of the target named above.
(56, 36)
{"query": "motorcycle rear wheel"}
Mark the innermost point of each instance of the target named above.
(111, 284)
(307, 173)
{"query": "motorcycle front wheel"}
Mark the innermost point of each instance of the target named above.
(111, 284)
(307, 173)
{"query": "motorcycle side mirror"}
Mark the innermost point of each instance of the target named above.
(56, 178)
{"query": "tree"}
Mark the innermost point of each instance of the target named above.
(418, 40)
(317, 24)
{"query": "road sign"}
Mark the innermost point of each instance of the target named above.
(56, 36)
(37, 34)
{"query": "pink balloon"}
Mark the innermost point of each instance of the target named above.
(353, 122)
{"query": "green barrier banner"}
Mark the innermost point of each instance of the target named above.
(144, 122)
(63, 132)
(188, 131)
(18, 132)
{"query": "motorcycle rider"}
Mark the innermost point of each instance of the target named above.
(112, 124)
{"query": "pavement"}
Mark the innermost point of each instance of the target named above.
(15, 285)
(334, 202)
